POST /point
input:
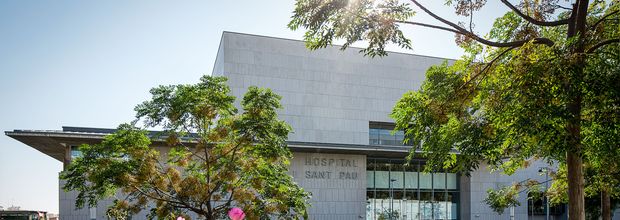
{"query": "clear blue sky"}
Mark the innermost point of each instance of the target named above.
(88, 63)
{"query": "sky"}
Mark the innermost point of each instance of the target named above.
(88, 63)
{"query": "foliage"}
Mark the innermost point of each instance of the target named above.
(208, 158)
(541, 85)
(353, 21)
(508, 196)
(500, 199)
(387, 214)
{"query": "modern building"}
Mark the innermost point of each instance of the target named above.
(338, 104)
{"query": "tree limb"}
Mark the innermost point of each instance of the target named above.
(533, 20)
(603, 43)
(461, 30)
(581, 19)
(486, 67)
(562, 7)
(430, 26)
(602, 19)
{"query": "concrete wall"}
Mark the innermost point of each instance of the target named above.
(68, 210)
(67, 205)
(329, 95)
(337, 183)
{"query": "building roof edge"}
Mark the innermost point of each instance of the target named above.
(333, 45)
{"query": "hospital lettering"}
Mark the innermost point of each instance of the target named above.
(322, 162)
(325, 162)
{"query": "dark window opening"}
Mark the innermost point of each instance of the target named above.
(536, 205)
(382, 133)
(75, 152)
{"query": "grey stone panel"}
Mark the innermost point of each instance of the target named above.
(329, 95)
(68, 211)
(340, 192)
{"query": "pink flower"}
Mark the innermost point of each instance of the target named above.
(180, 218)
(236, 214)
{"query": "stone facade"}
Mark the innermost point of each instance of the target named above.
(329, 95)
(337, 183)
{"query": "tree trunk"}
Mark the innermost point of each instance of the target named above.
(605, 205)
(576, 201)
(574, 162)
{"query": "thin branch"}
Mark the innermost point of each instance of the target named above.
(230, 199)
(537, 183)
(602, 19)
(533, 20)
(603, 43)
(484, 69)
(430, 26)
(471, 16)
(461, 30)
(562, 7)
(487, 66)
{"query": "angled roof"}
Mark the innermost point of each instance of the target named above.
(54, 142)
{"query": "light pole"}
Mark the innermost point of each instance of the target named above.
(391, 213)
(403, 203)
(546, 170)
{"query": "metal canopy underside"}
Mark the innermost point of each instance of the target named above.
(52, 143)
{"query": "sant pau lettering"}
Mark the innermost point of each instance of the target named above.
(321, 163)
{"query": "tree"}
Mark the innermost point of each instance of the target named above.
(535, 87)
(208, 158)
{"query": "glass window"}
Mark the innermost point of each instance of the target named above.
(374, 136)
(397, 175)
(537, 205)
(426, 205)
(399, 136)
(411, 205)
(452, 202)
(382, 204)
(75, 152)
(370, 174)
(381, 133)
(370, 204)
(382, 175)
(370, 179)
(382, 179)
(400, 191)
(426, 180)
(439, 205)
(439, 181)
(397, 204)
(411, 180)
(411, 176)
(385, 138)
(451, 181)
